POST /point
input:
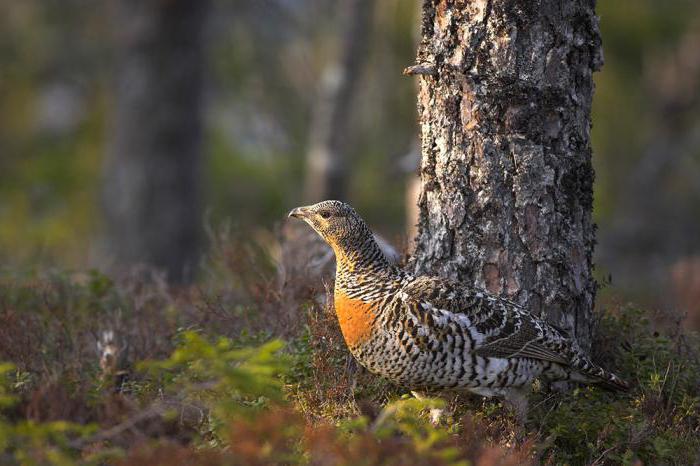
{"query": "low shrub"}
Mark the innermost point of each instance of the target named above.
(199, 377)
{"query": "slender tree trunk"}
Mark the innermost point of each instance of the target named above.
(152, 173)
(504, 104)
(327, 171)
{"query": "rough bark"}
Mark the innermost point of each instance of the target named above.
(152, 172)
(327, 171)
(504, 104)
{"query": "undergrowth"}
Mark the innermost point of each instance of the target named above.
(225, 372)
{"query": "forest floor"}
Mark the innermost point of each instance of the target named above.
(98, 370)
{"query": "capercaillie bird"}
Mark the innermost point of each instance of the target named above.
(431, 333)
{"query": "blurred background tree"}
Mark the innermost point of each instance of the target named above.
(327, 169)
(152, 175)
(264, 65)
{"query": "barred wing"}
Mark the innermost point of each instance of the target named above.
(500, 328)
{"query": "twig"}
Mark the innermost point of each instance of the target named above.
(155, 410)
(599, 459)
(420, 68)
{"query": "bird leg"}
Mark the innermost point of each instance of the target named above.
(517, 399)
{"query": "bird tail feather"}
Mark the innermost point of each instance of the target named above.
(596, 374)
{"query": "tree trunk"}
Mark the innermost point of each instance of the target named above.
(326, 176)
(506, 198)
(152, 174)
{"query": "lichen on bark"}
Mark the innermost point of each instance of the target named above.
(506, 170)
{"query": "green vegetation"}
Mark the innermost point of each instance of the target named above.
(227, 371)
(216, 374)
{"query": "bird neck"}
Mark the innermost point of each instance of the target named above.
(358, 256)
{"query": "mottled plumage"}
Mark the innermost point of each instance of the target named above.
(432, 333)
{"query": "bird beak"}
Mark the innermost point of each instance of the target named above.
(299, 212)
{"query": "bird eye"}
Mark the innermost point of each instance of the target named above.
(325, 214)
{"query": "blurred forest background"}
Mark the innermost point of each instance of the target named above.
(285, 101)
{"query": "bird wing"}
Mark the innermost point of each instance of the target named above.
(499, 328)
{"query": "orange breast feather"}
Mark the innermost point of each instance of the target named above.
(356, 319)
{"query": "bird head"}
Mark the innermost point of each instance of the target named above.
(337, 223)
